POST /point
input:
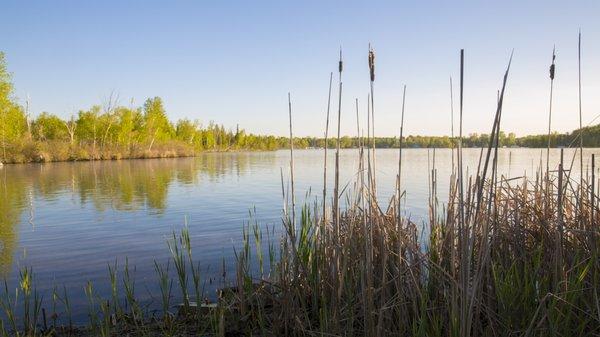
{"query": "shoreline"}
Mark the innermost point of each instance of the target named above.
(170, 154)
(173, 154)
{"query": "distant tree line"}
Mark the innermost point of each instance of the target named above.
(113, 131)
(591, 138)
(140, 127)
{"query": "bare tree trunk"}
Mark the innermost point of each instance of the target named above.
(94, 136)
(4, 135)
(109, 108)
(152, 141)
(106, 133)
(27, 119)
(71, 126)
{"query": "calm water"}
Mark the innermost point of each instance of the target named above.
(69, 220)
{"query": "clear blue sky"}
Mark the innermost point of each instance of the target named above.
(234, 62)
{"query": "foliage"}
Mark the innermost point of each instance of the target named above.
(13, 123)
(49, 127)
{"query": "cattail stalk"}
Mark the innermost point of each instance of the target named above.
(293, 222)
(359, 146)
(337, 152)
(580, 113)
(399, 191)
(593, 198)
(336, 198)
(325, 150)
(494, 139)
(358, 140)
(369, 148)
(559, 232)
(463, 233)
(452, 121)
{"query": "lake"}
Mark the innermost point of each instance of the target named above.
(68, 221)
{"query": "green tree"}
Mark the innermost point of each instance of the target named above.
(240, 138)
(49, 127)
(88, 126)
(128, 126)
(13, 122)
(208, 139)
(187, 131)
(156, 124)
(511, 140)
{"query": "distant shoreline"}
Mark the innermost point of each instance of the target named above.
(174, 153)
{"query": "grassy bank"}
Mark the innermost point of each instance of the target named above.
(53, 151)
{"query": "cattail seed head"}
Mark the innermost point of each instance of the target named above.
(372, 64)
(552, 67)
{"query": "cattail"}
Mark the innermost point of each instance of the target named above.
(552, 70)
(552, 66)
(372, 64)
(372, 78)
(336, 196)
(337, 153)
